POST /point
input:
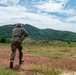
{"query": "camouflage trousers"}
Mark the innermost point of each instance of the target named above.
(14, 46)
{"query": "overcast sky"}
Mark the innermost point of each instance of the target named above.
(54, 14)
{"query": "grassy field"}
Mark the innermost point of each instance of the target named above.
(49, 50)
(36, 70)
(7, 71)
(53, 50)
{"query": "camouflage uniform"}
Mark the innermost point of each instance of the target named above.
(18, 35)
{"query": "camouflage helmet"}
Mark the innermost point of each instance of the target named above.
(19, 25)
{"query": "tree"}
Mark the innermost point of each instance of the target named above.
(3, 40)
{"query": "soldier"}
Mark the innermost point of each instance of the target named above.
(18, 35)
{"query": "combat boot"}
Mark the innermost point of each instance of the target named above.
(11, 65)
(21, 61)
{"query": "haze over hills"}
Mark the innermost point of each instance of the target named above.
(39, 34)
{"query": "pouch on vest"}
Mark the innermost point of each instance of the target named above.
(15, 39)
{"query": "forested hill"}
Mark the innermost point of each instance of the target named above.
(39, 34)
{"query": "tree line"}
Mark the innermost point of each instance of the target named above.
(4, 40)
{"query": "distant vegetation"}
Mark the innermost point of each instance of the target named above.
(39, 34)
(4, 40)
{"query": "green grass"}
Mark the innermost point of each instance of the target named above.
(52, 50)
(46, 53)
(7, 71)
(45, 70)
(53, 44)
(36, 70)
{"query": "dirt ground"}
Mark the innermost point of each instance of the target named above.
(33, 59)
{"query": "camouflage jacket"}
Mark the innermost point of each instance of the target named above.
(18, 34)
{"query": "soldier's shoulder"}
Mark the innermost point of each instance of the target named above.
(14, 28)
(22, 29)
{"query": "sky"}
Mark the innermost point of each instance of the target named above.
(53, 14)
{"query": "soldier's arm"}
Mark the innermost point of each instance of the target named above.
(12, 33)
(25, 33)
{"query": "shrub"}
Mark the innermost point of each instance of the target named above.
(3, 40)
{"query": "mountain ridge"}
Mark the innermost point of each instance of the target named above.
(39, 34)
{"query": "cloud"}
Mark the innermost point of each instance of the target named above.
(52, 6)
(58, 6)
(7, 13)
(17, 14)
(9, 2)
(14, 13)
(71, 19)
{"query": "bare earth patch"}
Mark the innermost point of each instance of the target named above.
(33, 59)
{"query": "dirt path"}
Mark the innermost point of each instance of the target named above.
(33, 59)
